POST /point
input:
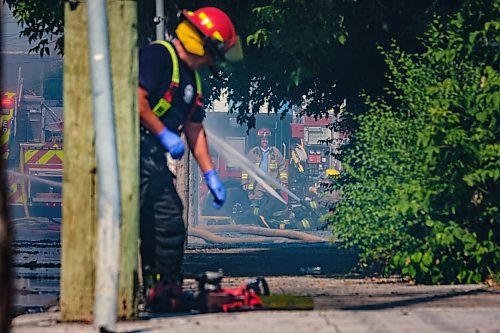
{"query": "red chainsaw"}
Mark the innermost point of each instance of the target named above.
(211, 297)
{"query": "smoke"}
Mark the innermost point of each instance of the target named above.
(36, 178)
(241, 161)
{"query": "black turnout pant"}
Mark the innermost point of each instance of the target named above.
(162, 228)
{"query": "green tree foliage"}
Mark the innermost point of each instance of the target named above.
(421, 185)
(317, 52)
(294, 41)
(41, 21)
(323, 51)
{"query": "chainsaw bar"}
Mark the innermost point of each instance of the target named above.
(287, 302)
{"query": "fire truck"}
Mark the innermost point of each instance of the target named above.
(307, 144)
(32, 150)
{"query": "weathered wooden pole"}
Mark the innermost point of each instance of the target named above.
(79, 198)
(182, 183)
(124, 69)
(193, 194)
(79, 191)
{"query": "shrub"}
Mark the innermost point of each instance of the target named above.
(421, 181)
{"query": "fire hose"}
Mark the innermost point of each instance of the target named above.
(208, 234)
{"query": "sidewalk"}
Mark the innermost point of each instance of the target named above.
(341, 306)
(419, 320)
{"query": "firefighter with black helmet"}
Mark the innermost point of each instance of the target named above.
(270, 160)
(170, 102)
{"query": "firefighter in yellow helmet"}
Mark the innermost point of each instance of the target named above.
(332, 173)
(170, 101)
(317, 200)
(270, 160)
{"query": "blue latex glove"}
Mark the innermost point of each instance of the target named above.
(172, 143)
(215, 187)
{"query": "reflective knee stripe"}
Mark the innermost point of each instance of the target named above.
(313, 204)
(306, 224)
(250, 186)
(165, 103)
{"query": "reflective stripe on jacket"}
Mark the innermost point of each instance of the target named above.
(276, 166)
(165, 103)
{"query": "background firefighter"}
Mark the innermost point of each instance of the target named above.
(268, 209)
(318, 200)
(169, 96)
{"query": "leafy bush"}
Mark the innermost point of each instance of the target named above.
(421, 181)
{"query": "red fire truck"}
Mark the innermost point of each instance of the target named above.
(32, 149)
(301, 140)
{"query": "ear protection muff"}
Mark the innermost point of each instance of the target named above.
(190, 38)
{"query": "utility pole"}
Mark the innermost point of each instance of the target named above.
(79, 230)
(182, 183)
(79, 183)
(42, 79)
(160, 20)
(124, 69)
(108, 176)
(193, 194)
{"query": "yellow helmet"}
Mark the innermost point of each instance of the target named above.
(332, 173)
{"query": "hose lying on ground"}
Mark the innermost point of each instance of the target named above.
(210, 237)
(291, 234)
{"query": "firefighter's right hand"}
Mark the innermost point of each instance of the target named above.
(216, 187)
(172, 143)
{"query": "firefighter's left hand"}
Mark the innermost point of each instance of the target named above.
(215, 187)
